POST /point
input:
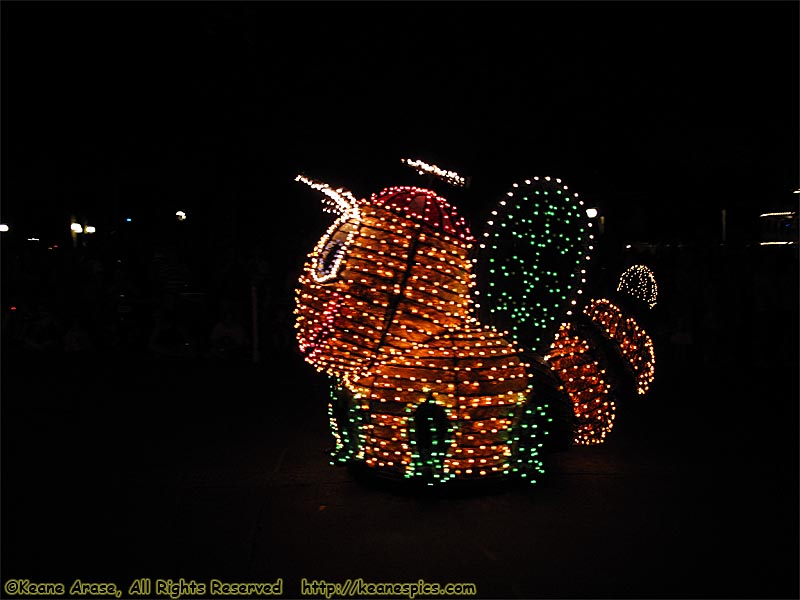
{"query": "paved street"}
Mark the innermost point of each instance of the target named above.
(114, 471)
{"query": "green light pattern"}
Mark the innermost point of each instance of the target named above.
(532, 253)
(529, 429)
(429, 463)
(345, 418)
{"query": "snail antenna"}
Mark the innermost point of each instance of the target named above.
(424, 168)
(337, 200)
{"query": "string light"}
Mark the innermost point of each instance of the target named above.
(638, 281)
(422, 167)
(479, 383)
(577, 363)
(394, 274)
(574, 362)
(535, 249)
(340, 200)
(631, 341)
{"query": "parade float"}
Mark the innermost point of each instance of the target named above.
(453, 358)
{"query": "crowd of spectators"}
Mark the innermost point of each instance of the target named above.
(162, 302)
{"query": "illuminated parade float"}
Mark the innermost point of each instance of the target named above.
(456, 358)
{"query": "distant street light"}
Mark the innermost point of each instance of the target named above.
(76, 228)
(91, 229)
(3, 227)
(181, 215)
(592, 213)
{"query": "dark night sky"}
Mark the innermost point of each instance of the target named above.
(666, 110)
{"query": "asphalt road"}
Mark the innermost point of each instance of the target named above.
(115, 470)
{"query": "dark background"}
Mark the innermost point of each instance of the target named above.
(121, 463)
(663, 113)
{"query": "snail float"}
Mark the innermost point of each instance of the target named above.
(428, 384)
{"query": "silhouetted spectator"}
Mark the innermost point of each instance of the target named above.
(45, 332)
(170, 271)
(77, 340)
(260, 274)
(121, 318)
(16, 321)
(228, 339)
(258, 267)
(282, 329)
(169, 338)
